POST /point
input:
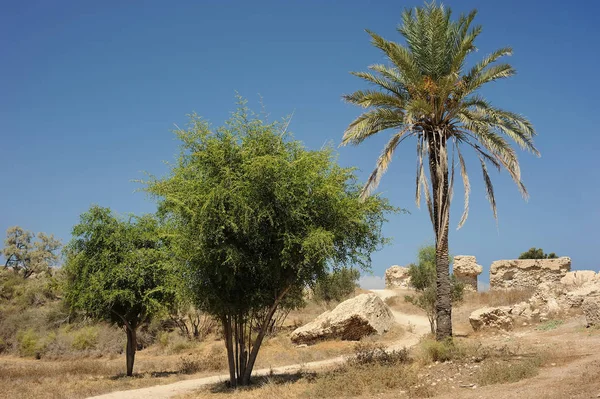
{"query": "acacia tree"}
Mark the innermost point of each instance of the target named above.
(119, 270)
(27, 256)
(256, 218)
(426, 92)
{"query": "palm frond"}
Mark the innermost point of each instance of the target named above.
(370, 123)
(489, 188)
(466, 185)
(383, 162)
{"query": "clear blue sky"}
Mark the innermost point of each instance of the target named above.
(91, 90)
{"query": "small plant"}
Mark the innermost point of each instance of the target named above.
(442, 351)
(502, 372)
(189, 364)
(28, 343)
(370, 353)
(550, 325)
(86, 338)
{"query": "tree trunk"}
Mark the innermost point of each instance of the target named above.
(229, 346)
(443, 300)
(438, 168)
(131, 348)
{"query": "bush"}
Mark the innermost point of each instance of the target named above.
(442, 351)
(85, 339)
(337, 285)
(370, 353)
(537, 253)
(28, 342)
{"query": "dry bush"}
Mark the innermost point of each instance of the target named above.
(371, 353)
(211, 360)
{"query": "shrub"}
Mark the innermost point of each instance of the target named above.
(371, 353)
(537, 253)
(28, 342)
(86, 338)
(442, 351)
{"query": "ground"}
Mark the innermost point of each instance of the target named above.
(556, 359)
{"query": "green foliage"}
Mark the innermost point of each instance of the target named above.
(337, 285)
(423, 280)
(85, 338)
(255, 216)
(550, 325)
(26, 255)
(28, 342)
(118, 270)
(537, 253)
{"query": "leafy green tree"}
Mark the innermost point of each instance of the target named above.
(423, 280)
(537, 253)
(26, 256)
(337, 285)
(257, 218)
(425, 91)
(119, 270)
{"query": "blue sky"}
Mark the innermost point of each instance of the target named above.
(91, 90)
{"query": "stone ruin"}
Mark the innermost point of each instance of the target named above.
(466, 270)
(397, 277)
(528, 273)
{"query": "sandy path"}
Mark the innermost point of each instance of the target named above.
(419, 325)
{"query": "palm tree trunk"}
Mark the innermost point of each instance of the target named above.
(438, 167)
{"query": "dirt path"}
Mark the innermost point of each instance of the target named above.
(414, 325)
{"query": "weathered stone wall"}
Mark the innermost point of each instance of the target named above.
(466, 270)
(397, 277)
(528, 273)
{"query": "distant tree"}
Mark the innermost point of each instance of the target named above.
(423, 280)
(537, 253)
(336, 285)
(257, 218)
(26, 256)
(119, 270)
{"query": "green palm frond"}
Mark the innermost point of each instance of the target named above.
(425, 90)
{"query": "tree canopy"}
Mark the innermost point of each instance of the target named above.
(27, 255)
(537, 253)
(119, 270)
(256, 217)
(429, 91)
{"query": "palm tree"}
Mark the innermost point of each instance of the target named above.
(426, 92)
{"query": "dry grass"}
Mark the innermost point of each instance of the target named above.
(497, 297)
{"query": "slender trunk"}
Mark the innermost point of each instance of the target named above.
(438, 167)
(443, 303)
(229, 346)
(261, 335)
(131, 348)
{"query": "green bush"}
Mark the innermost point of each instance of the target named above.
(337, 285)
(28, 342)
(85, 339)
(537, 253)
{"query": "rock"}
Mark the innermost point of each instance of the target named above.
(466, 270)
(351, 320)
(528, 273)
(591, 309)
(494, 318)
(397, 277)
(579, 278)
(576, 297)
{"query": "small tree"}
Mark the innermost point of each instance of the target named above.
(537, 253)
(27, 256)
(423, 280)
(257, 218)
(337, 285)
(119, 270)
